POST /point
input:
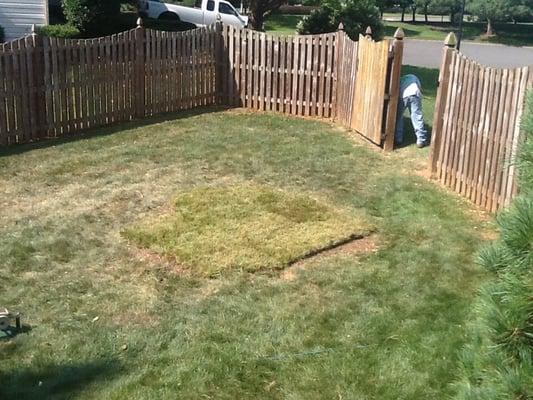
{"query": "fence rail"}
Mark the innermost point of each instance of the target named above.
(56, 87)
(476, 129)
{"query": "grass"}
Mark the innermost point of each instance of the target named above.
(110, 321)
(250, 227)
(282, 24)
(507, 33)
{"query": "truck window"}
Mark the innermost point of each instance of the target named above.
(210, 5)
(225, 8)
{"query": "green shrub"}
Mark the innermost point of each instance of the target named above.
(59, 31)
(356, 15)
(87, 15)
(2, 34)
(497, 363)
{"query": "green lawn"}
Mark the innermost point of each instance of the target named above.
(510, 34)
(282, 24)
(116, 321)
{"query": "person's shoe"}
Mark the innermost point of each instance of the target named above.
(421, 145)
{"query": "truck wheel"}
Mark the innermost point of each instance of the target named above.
(169, 16)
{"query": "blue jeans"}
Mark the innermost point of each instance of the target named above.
(414, 103)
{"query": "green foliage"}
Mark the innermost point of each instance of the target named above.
(2, 35)
(319, 21)
(498, 361)
(443, 7)
(64, 31)
(87, 15)
(493, 10)
(356, 15)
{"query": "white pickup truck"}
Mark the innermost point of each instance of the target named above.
(205, 14)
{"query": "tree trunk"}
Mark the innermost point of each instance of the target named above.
(452, 18)
(490, 32)
(403, 14)
(257, 21)
(426, 13)
(414, 14)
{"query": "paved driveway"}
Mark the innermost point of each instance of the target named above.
(428, 53)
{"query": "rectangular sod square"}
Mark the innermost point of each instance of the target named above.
(247, 227)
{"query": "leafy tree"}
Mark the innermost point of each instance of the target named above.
(260, 9)
(384, 4)
(89, 14)
(424, 5)
(450, 7)
(521, 9)
(356, 16)
(491, 11)
(404, 5)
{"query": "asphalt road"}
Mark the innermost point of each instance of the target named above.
(428, 53)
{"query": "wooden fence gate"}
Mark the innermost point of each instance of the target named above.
(476, 129)
(369, 85)
(376, 89)
(56, 87)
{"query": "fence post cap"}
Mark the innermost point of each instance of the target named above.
(33, 30)
(340, 27)
(399, 34)
(368, 31)
(218, 17)
(451, 40)
(140, 22)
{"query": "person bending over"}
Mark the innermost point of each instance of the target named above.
(411, 97)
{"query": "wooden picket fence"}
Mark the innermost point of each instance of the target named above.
(327, 75)
(476, 129)
(56, 87)
(293, 75)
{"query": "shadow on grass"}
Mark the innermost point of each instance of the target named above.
(409, 33)
(12, 332)
(107, 130)
(47, 381)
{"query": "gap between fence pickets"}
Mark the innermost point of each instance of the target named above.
(55, 87)
(476, 128)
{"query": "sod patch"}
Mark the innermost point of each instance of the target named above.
(250, 227)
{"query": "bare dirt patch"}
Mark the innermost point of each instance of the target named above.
(365, 245)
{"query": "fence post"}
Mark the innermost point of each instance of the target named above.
(444, 80)
(219, 57)
(38, 118)
(140, 64)
(339, 59)
(394, 90)
(368, 32)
